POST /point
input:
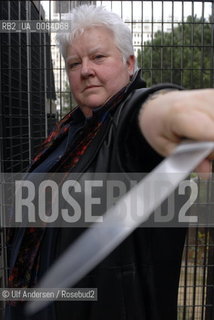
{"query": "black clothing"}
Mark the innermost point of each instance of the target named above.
(139, 279)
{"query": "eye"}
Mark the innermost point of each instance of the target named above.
(73, 65)
(99, 57)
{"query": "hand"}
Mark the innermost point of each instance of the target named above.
(166, 119)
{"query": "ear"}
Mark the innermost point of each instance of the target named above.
(131, 64)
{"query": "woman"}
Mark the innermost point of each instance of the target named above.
(106, 133)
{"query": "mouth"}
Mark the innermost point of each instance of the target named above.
(91, 87)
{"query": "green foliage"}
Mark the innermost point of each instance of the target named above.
(183, 56)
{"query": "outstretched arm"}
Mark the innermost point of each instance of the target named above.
(168, 117)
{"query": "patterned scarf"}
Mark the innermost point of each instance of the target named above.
(25, 270)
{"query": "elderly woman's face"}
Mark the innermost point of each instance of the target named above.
(96, 69)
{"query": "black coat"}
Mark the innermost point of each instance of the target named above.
(139, 279)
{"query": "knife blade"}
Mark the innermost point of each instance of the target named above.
(96, 243)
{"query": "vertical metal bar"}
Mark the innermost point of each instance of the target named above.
(182, 45)
(10, 90)
(209, 310)
(42, 74)
(2, 231)
(28, 52)
(1, 107)
(132, 18)
(43, 42)
(142, 37)
(172, 43)
(1, 182)
(50, 100)
(152, 29)
(3, 253)
(45, 81)
(195, 272)
(209, 314)
(192, 46)
(20, 88)
(185, 278)
(206, 239)
(203, 67)
(162, 46)
(212, 47)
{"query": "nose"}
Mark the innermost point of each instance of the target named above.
(87, 69)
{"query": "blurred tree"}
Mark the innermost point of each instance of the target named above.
(183, 56)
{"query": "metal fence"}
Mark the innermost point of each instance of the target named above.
(26, 92)
(173, 41)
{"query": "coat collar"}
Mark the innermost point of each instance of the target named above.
(136, 81)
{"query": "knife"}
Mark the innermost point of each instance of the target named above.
(96, 243)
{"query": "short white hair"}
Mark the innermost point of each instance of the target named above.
(87, 16)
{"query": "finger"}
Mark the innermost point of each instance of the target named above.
(193, 124)
(193, 114)
(204, 169)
